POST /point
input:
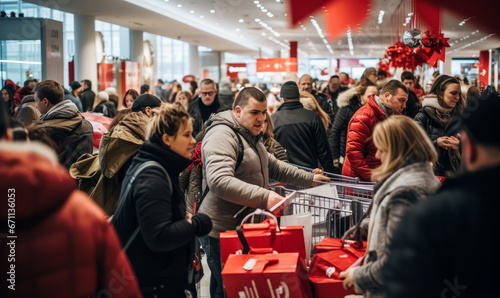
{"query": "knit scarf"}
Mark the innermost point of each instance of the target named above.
(443, 114)
(387, 111)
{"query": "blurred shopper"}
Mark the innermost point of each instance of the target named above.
(234, 193)
(225, 94)
(159, 91)
(116, 151)
(345, 80)
(184, 98)
(113, 96)
(413, 103)
(310, 103)
(306, 84)
(404, 177)
(27, 89)
(440, 111)
(272, 146)
(168, 89)
(429, 254)
(76, 100)
(301, 132)
(144, 89)
(87, 96)
(382, 78)
(360, 156)
(272, 101)
(175, 90)
(349, 102)
(333, 90)
(193, 87)
(76, 89)
(104, 106)
(129, 98)
(205, 105)
(155, 207)
(77, 251)
(8, 99)
(28, 111)
(62, 121)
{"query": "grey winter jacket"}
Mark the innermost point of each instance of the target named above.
(231, 191)
(392, 199)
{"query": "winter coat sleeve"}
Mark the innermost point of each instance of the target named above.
(117, 276)
(338, 126)
(357, 135)
(323, 147)
(219, 154)
(154, 207)
(279, 152)
(289, 174)
(369, 276)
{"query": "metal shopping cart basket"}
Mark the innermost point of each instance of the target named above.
(335, 206)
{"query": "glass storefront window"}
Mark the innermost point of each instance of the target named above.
(20, 60)
(465, 68)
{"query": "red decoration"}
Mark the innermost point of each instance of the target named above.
(428, 39)
(300, 9)
(437, 52)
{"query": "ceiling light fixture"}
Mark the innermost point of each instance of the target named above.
(191, 11)
(381, 16)
(241, 20)
(321, 35)
(349, 41)
(179, 5)
(471, 43)
(212, 11)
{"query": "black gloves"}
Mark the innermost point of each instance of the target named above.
(202, 224)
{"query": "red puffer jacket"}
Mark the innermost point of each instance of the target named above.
(64, 247)
(360, 151)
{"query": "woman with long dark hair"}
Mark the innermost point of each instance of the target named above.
(8, 99)
(128, 99)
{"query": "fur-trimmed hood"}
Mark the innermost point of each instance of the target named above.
(345, 97)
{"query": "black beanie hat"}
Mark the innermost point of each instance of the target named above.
(202, 224)
(145, 100)
(478, 119)
(75, 85)
(290, 90)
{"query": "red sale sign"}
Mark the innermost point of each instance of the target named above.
(277, 65)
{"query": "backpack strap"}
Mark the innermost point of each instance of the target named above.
(123, 197)
(239, 159)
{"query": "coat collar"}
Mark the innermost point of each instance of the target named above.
(290, 105)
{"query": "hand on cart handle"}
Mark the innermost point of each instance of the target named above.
(319, 177)
(318, 171)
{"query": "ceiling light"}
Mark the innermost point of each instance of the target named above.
(212, 11)
(381, 17)
(264, 10)
(166, 0)
(191, 11)
(241, 21)
(179, 5)
(258, 5)
(256, 2)
(202, 17)
(257, 20)
(270, 15)
(264, 33)
(237, 29)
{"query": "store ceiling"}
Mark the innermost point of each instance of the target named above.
(237, 26)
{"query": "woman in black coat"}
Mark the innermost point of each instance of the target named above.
(162, 250)
(349, 102)
(440, 111)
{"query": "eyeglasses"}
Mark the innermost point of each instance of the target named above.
(207, 93)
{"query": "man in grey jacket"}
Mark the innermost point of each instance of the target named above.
(233, 193)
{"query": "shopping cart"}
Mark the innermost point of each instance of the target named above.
(335, 206)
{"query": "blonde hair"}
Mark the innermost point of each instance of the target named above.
(309, 102)
(404, 141)
(186, 93)
(268, 134)
(166, 119)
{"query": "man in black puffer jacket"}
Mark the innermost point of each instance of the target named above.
(301, 132)
(431, 255)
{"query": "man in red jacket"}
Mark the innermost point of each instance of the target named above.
(360, 151)
(56, 241)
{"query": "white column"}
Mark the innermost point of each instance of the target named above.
(85, 50)
(194, 61)
(447, 66)
(222, 66)
(137, 50)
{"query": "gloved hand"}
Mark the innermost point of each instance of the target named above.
(202, 224)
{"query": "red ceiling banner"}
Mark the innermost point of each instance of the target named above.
(342, 15)
(233, 69)
(277, 65)
(300, 9)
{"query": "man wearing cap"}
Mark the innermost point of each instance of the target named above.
(62, 121)
(205, 105)
(301, 132)
(116, 151)
(445, 246)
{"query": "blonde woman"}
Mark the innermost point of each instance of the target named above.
(272, 146)
(404, 178)
(184, 98)
(155, 207)
(310, 103)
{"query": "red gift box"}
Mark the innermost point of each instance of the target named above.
(264, 237)
(265, 275)
(329, 244)
(326, 267)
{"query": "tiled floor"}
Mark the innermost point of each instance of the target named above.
(204, 287)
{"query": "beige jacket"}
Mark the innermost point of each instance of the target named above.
(231, 191)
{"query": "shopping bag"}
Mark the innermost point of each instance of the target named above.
(329, 244)
(304, 220)
(265, 275)
(266, 235)
(326, 267)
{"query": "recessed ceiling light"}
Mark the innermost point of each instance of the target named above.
(256, 2)
(258, 5)
(241, 21)
(202, 17)
(264, 33)
(257, 20)
(191, 11)
(212, 11)
(179, 5)
(237, 29)
(269, 14)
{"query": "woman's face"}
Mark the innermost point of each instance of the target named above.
(371, 90)
(183, 142)
(183, 100)
(264, 126)
(129, 100)
(5, 95)
(451, 95)
(372, 78)
(381, 154)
